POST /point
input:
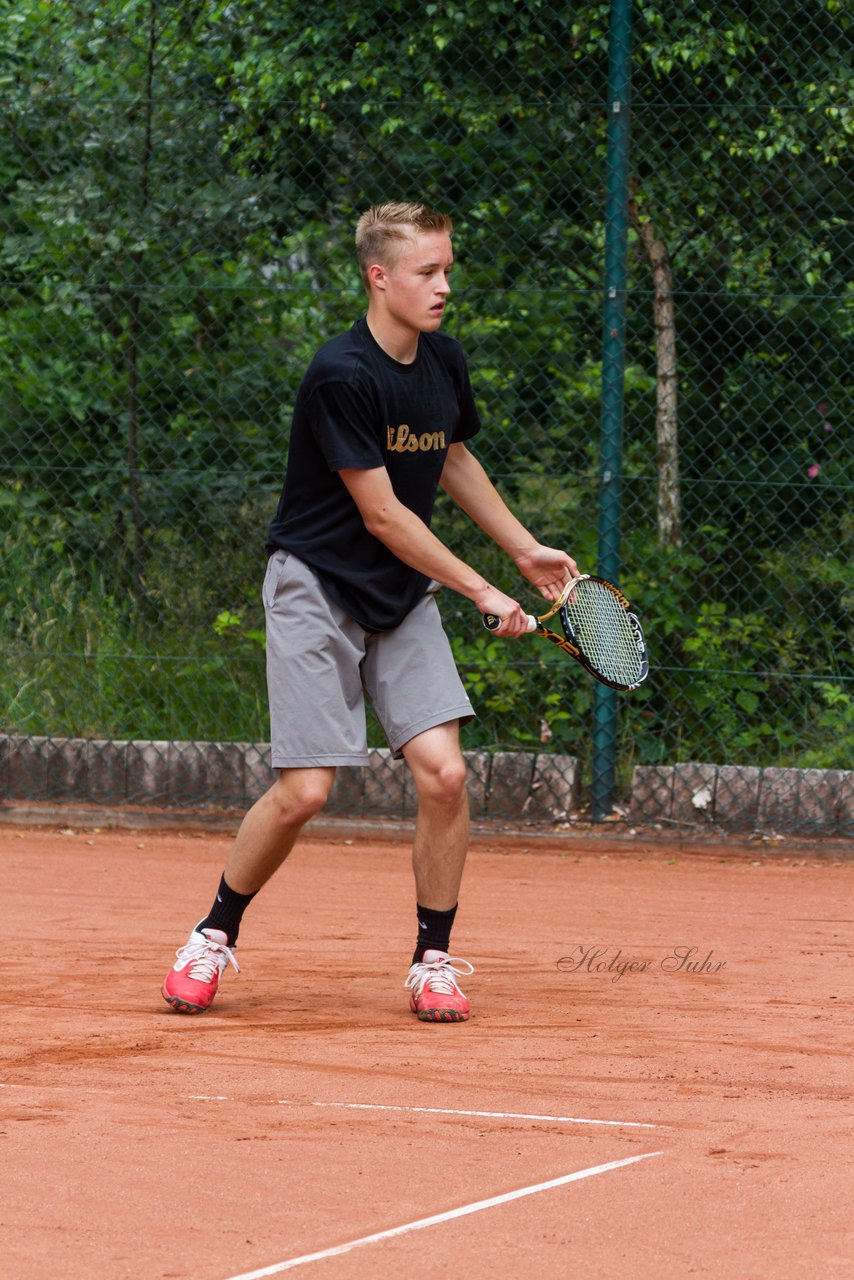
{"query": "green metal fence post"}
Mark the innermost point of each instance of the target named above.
(613, 362)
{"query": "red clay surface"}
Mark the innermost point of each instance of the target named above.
(139, 1143)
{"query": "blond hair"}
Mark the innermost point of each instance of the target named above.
(383, 230)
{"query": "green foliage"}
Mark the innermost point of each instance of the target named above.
(832, 717)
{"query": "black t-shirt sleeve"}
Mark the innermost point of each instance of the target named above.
(469, 420)
(342, 420)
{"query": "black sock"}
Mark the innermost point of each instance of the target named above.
(434, 931)
(226, 912)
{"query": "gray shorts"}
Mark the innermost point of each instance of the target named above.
(321, 665)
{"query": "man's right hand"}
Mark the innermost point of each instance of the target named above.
(514, 620)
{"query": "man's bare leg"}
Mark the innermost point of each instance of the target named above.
(438, 857)
(266, 836)
(441, 837)
(270, 828)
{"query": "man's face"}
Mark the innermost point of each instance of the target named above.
(415, 287)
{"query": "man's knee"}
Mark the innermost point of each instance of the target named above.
(298, 794)
(442, 781)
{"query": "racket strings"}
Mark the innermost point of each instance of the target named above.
(604, 632)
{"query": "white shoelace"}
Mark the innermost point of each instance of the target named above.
(441, 974)
(205, 959)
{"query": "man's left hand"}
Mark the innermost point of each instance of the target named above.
(548, 569)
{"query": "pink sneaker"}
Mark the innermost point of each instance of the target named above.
(434, 991)
(191, 983)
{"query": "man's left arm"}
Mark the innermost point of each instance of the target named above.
(465, 480)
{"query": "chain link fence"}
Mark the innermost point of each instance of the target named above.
(180, 184)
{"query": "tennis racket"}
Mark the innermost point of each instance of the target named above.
(599, 631)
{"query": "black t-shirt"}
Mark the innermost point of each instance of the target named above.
(357, 407)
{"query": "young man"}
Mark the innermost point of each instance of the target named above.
(381, 420)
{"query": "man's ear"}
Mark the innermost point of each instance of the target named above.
(377, 275)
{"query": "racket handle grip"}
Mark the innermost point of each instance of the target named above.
(492, 623)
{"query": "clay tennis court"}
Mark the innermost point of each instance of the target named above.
(660, 1122)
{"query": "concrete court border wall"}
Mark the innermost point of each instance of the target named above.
(232, 775)
(527, 786)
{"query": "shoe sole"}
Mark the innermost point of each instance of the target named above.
(441, 1015)
(183, 1006)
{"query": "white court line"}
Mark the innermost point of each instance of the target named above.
(489, 1115)
(379, 1106)
(463, 1211)
(441, 1111)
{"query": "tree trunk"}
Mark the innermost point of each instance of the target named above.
(666, 417)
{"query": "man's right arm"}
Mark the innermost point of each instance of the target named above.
(409, 538)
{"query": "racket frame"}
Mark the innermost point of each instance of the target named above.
(568, 642)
